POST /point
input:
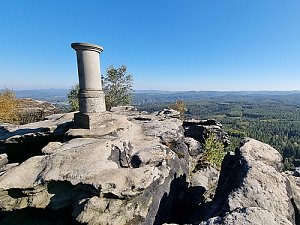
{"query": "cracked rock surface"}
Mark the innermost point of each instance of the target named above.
(139, 169)
(86, 175)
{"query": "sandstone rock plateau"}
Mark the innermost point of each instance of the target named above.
(138, 168)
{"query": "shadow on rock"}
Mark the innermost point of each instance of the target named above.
(180, 203)
(233, 171)
(27, 142)
(67, 195)
(33, 216)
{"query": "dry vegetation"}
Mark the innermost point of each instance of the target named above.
(22, 111)
(9, 107)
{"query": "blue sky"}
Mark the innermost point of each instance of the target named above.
(166, 44)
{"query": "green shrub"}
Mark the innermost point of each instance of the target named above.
(73, 98)
(117, 86)
(214, 151)
(288, 164)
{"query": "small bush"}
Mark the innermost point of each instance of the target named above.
(214, 151)
(9, 107)
(288, 164)
(179, 106)
(73, 98)
(117, 86)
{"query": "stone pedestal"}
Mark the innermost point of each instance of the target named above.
(91, 120)
(92, 110)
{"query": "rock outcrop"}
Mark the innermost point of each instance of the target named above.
(139, 168)
(293, 182)
(251, 189)
(32, 110)
(20, 142)
(115, 175)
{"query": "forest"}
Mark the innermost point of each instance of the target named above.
(270, 118)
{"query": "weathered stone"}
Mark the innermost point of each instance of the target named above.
(195, 147)
(81, 173)
(169, 113)
(18, 141)
(293, 183)
(140, 169)
(32, 110)
(7, 166)
(3, 159)
(56, 125)
(51, 147)
(125, 110)
(200, 129)
(206, 178)
(251, 178)
(105, 130)
(248, 216)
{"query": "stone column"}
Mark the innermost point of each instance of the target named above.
(91, 97)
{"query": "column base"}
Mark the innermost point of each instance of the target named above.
(91, 101)
(91, 120)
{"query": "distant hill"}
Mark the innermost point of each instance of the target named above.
(59, 96)
(56, 96)
(161, 96)
(44, 94)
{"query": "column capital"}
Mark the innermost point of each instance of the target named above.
(87, 47)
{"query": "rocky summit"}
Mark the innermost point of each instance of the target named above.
(139, 168)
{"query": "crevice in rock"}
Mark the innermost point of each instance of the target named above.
(135, 161)
(180, 203)
(142, 119)
(66, 194)
(33, 216)
(233, 171)
(196, 132)
(59, 210)
(111, 196)
(170, 201)
(29, 142)
(297, 214)
(190, 206)
(122, 156)
(201, 122)
(16, 193)
(21, 151)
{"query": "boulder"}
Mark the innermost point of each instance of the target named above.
(51, 147)
(247, 216)
(251, 188)
(208, 179)
(200, 129)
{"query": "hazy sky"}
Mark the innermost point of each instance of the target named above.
(166, 44)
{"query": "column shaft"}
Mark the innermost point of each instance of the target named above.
(91, 97)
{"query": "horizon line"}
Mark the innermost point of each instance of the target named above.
(161, 90)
